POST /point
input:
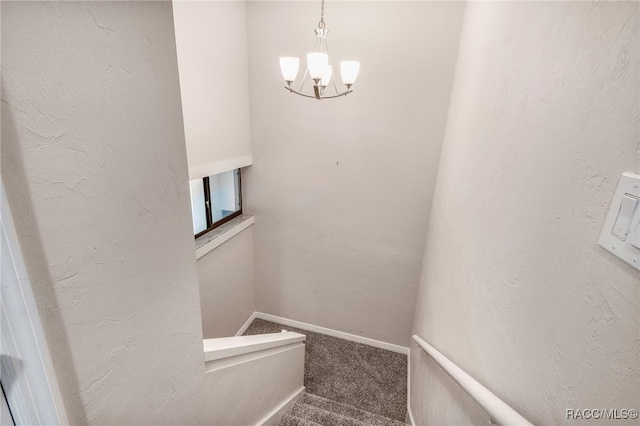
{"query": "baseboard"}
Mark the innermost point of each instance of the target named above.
(274, 417)
(411, 419)
(335, 333)
(246, 324)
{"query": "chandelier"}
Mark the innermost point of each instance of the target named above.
(319, 68)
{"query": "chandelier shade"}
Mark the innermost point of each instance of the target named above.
(319, 68)
(349, 71)
(289, 67)
(326, 78)
(317, 64)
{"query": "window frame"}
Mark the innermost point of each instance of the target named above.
(211, 225)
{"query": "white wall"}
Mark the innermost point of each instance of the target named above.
(515, 289)
(226, 276)
(211, 39)
(341, 189)
(95, 170)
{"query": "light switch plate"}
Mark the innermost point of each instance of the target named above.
(618, 241)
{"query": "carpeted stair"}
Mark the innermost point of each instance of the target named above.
(370, 379)
(348, 383)
(314, 410)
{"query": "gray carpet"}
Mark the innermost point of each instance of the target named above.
(360, 376)
(315, 410)
(289, 420)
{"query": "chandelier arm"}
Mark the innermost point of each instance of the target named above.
(326, 47)
(345, 93)
(299, 93)
(304, 78)
(333, 78)
(335, 86)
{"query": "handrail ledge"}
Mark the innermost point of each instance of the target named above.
(225, 347)
(497, 409)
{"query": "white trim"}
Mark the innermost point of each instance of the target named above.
(412, 421)
(224, 237)
(5, 413)
(497, 409)
(335, 333)
(226, 347)
(246, 324)
(274, 417)
(219, 364)
(199, 172)
(34, 396)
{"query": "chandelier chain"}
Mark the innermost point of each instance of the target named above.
(321, 23)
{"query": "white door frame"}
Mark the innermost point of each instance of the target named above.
(5, 414)
(26, 370)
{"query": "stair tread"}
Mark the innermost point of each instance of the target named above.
(324, 417)
(348, 411)
(291, 420)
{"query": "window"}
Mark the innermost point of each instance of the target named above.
(215, 200)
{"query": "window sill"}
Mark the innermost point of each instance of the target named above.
(221, 234)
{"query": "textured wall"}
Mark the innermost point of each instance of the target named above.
(226, 276)
(515, 289)
(211, 40)
(94, 165)
(341, 188)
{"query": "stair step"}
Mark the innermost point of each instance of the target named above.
(324, 417)
(362, 416)
(362, 376)
(289, 420)
(315, 410)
